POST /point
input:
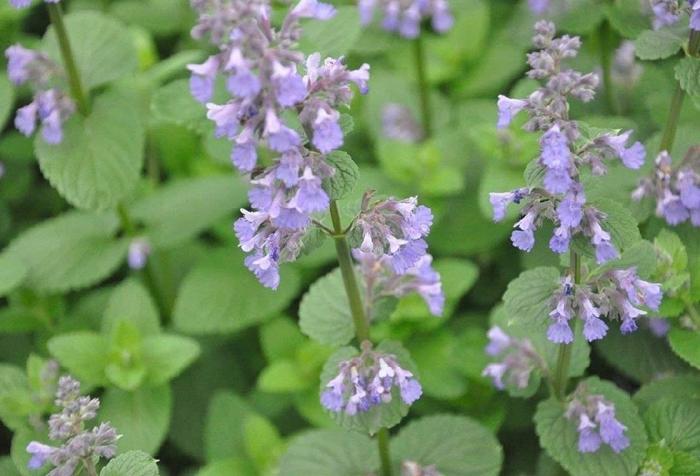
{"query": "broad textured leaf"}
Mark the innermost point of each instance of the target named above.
(130, 302)
(324, 452)
(99, 161)
(455, 445)
(84, 354)
(686, 344)
(7, 98)
(103, 48)
(173, 103)
(220, 295)
(141, 416)
(527, 299)
(131, 463)
(12, 272)
(345, 177)
(676, 423)
(324, 312)
(688, 75)
(381, 416)
(334, 37)
(167, 356)
(72, 251)
(657, 44)
(680, 386)
(183, 209)
(559, 437)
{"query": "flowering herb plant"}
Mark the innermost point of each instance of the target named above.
(335, 237)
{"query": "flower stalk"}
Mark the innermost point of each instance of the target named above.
(561, 372)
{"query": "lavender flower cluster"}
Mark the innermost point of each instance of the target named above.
(617, 293)
(367, 381)
(26, 3)
(405, 16)
(51, 107)
(261, 68)
(596, 423)
(668, 12)
(564, 151)
(677, 191)
(517, 359)
(78, 445)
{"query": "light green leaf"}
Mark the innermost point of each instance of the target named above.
(672, 249)
(84, 354)
(627, 18)
(280, 339)
(282, 376)
(183, 209)
(559, 437)
(527, 299)
(12, 272)
(688, 75)
(657, 44)
(102, 47)
(167, 356)
(324, 312)
(455, 445)
(130, 302)
(686, 344)
(131, 463)
(7, 467)
(220, 295)
(345, 177)
(437, 356)
(334, 37)
(161, 17)
(262, 441)
(69, 252)
(325, 452)
(385, 415)
(174, 104)
(99, 161)
(142, 416)
(227, 467)
(223, 433)
(578, 16)
(13, 389)
(7, 98)
(675, 422)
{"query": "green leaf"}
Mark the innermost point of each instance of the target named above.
(325, 452)
(69, 252)
(527, 299)
(385, 415)
(7, 467)
(227, 467)
(559, 437)
(657, 44)
(131, 463)
(578, 16)
(673, 249)
(223, 433)
(130, 302)
(12, 272)
(221, 296)
(324, 312)
(262, 441)
(686, 344)
(280, 339)
(675, 422)
(102, 47)
(167, 356)
(437, 356)
(84, 354)
(174, 104)
(345, 177)
(679, 386)
(99, 161)
(455, 445)
(13, 389)
(619, 222)
(282, 376)
(7, 99)
(334, 37)
(688, 75)
(183, 209)
(627, 18)
(142, 416)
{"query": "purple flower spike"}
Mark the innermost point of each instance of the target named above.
(596, 422)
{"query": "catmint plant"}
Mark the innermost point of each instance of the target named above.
(596, 423)
(77, 448)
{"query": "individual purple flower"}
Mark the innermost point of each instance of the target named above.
(658, 327)
(280, 138)
(632, 157)
(310, 196)
(139, 251)
(507, 109)
(596, 422)
(559, 330)
(19, 63)
(500, 201)
(639, 292)
(265, 268)
(593, 327)
(203, 78)
(369, 380)
(40, 454)
(516, 360)
(538, 7)
(328, 135)
(289, 86)
(556, 158)
(523, 237)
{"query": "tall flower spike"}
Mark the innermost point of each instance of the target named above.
(563, 152)
(596, 423)
(405, 17)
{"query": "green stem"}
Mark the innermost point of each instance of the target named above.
(89, 466)
(674, 114)
(347, 269)
(384, 456)
(606, 38)
(149, 276)
(358, 315)
(561, 372)
(423, 88)
(74, 82)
